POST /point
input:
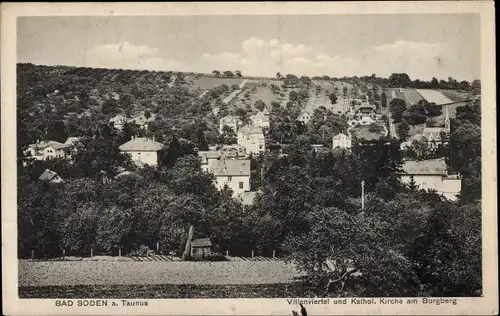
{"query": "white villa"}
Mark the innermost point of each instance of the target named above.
(230, 121)
(432, 174)
(342, 141)
(234, 173)
(118, 121)
(304, 117)
(46, 150)
(252, 139)
(143, 150)
(260, 119)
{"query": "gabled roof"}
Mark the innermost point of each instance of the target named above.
(426, 167)
(49, 175)
(432, 133)
(365, 108)
(72, 140)
(251, 129)
(201, 242)
(231, 167)
(49, 143)
(141, 144)
(303, 113)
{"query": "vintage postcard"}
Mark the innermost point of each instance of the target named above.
(272, 158)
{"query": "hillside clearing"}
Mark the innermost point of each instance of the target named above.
(207, 83)
(261, 93)
(434, 96)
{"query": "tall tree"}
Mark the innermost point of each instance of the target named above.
(397, 108)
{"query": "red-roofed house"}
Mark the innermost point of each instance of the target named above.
(143, 150)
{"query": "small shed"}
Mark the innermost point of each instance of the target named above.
(201, 247)
(50, 176)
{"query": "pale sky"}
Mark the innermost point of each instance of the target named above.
(423, 46)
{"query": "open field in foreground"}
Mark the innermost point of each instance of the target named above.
(103, 273)
(292, 289)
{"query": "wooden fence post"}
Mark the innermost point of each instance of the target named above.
(91, 253)
(32, 255)
(64, 254)
(119, 251)
(227, 253)
(252, 254)
(274, 254)
(157, 247)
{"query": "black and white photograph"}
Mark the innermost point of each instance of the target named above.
(333, 157)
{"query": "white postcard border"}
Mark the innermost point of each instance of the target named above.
(488, 304)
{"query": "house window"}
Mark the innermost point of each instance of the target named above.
(241, 185)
